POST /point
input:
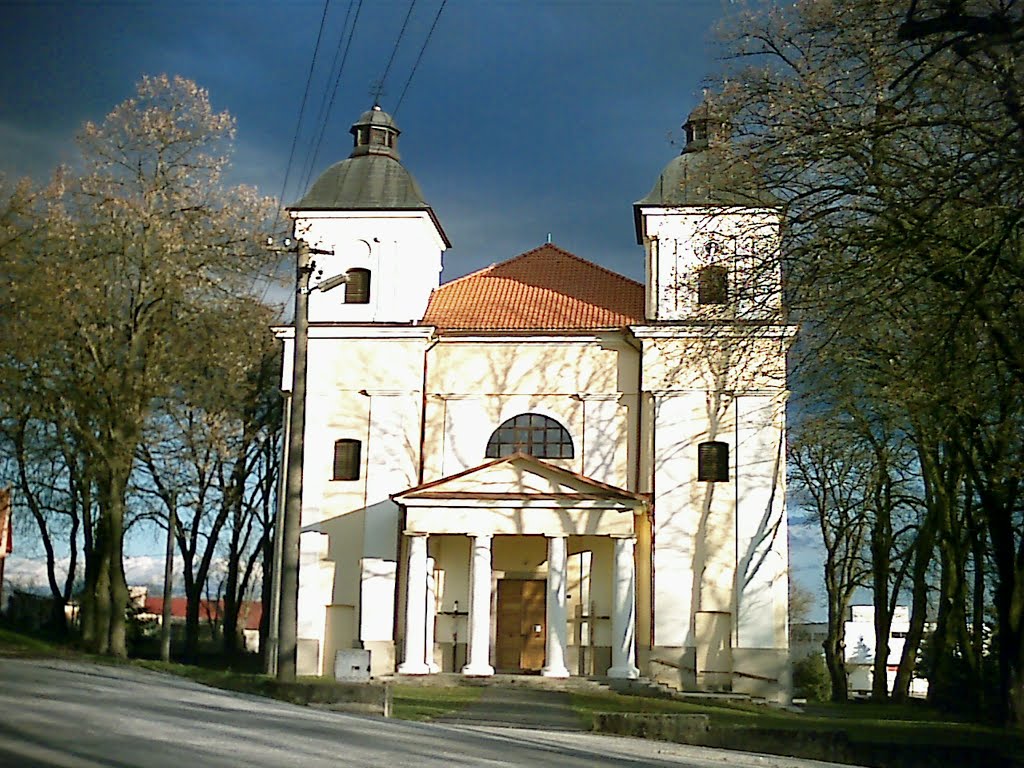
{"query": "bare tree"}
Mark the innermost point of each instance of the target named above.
(891, 135)
(136, 252)
(827, 479)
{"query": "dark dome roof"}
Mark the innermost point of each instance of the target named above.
(364, 182)
(372, 177)
(700, 178)
(697, 178)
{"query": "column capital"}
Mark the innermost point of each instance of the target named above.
(415, 534)
(487, 536)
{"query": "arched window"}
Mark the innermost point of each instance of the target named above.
(713, 285)
(347, 459)
(532, 434)
(357, 287)
(713, 462)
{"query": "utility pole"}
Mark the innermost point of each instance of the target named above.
(165, 625)
(291, 526)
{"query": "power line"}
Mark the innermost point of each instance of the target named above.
(330, 76)
(394, 51)
(334, 91)
(302, 109)
(295, 142)
(419, 58)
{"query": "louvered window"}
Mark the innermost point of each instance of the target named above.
(347, 459)
(357, 288)
(532, 434)
(713, 462)
(713, 285)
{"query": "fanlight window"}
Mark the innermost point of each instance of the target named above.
(713, 462)
(532, 434)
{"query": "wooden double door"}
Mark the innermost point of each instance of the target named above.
(521, 625)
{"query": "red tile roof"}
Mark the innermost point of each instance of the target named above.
(547, 288)
(249, 616)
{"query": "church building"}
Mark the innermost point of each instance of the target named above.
(544, 466)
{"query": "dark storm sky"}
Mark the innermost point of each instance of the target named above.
(524, 118)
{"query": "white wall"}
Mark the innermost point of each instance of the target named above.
(402, 250)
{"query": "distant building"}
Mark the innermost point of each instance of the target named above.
(545, 466)
(806, 639)
(211, 614)
(860, 649)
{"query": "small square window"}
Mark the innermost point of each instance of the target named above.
(347, 459)
(713, 462)
(357, 287)
(713, 285)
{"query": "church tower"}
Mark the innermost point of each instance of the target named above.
(369, 211)
(714, 377)
(364, 391)
(711, 234)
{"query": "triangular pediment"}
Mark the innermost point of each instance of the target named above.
(520, 478)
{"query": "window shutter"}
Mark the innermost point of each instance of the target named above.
(347, 463)
(713, 285)
(713, 462)
(357, 288)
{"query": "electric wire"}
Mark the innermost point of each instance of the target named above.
(419, 58)
(291, 153)
(324, 98)
(330, 105)
(302, 111)
(394, 51)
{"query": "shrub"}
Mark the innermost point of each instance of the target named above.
(810, 678)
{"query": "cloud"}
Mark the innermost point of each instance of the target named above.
(29, 574)
(30, 151)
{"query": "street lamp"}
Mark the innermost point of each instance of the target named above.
(291, 526)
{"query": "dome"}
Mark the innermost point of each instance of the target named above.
(372, 177)
(698, 178)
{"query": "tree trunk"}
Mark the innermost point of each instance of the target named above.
(881, 544)
(924, 548)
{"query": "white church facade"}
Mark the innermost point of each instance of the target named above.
(543, 466)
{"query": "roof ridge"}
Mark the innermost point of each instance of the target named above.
(554, 289)
(533, 251)
(475, 273)
(589, 263)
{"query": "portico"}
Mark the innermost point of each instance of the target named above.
(521, 566)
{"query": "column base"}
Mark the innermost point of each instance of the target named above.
(624, 673)
(478, 670)
(434, 668)
(413, 669)
(554, 672)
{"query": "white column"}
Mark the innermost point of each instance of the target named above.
(415, 607)
(480, 609)
(624, 612)
(555, 646)
(431, 617)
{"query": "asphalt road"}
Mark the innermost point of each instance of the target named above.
(78, 715)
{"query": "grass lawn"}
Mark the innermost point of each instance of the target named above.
(16, 644)
(421, 702)
(409, 702)
(863, 722)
